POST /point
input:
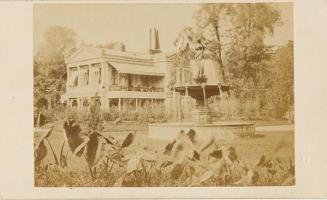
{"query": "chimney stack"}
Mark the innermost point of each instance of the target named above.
(154, 41)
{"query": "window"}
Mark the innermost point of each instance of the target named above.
(96, 68)
(74, 103)
(84, 75)
(187, 77)
(73, 77)
(114, 76)
(85, 103)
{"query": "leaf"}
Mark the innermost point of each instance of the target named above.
(179, 153)
(208, 144)
(193, 155)
(49, 132)
(195, 181)
(96, 149)
(191, 134)
(133, 164)
(147, 156)
(74, 137)
(41, 134)
(61, 154)
(196, 155)
(232, 155)
(128, 140)
(40, 153)
(262, 161)
(207, 175)
(64, 161)
(118, 159)
(189, 171)
(119, 182)
(177, 171)
(169, 148)
(217, 168)
(166, 163)
(53, 153)
(217, 154)
(272, 171)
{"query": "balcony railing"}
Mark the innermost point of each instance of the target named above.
(136, 89)
(116, 91)
(136, 94)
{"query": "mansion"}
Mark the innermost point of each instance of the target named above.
(122, 79)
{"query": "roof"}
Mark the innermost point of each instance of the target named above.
(129, 54)
(94, 52)
(138, 69)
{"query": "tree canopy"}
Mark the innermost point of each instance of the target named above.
(49, 66)
(235, 35)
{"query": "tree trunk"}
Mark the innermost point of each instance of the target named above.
(219, 57)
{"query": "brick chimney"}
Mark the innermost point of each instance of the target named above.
(154, 41)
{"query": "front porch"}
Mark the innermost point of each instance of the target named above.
(122, 100)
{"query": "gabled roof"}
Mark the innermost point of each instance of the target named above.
(85, 53)
(94, 52)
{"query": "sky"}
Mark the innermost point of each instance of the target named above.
(130, 23)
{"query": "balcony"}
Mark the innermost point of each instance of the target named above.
(83, 91)
(137, 89)
(116, 91)
(136, 92)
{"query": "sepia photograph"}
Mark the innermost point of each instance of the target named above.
(163, 94)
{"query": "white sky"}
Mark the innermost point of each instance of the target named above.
(130, 23)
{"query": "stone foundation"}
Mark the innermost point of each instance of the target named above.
(201, 116)
(221, 130)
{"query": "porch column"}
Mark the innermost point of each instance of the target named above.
(79, 103)
(179, 107)
(91, 78)
(174, 106)
(119, 104)
(118, 81)
(108, 104)
(79, 76)
(152, 104)
(136, 104)
(186, 91)
(90, 102)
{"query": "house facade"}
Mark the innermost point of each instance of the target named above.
(118, 78)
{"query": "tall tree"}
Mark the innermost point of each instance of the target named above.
(211, 27)
(250, 25)
(57, 43)
(283, 86)
(49, 66)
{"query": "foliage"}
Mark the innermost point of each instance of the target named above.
(251, 23)
(49, 67)
(283, 86)
(57, 42)
(185, 161)
(234, 35)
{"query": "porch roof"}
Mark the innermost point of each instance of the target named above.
(138, 69)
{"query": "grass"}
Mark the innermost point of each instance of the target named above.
(271, 122)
